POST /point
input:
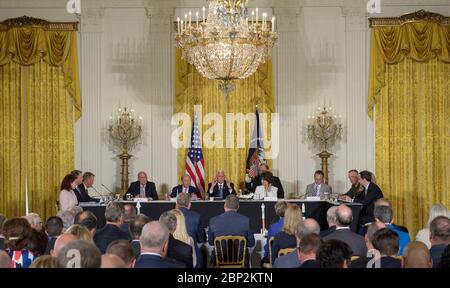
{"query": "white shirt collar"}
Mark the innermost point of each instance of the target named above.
(151, 253)
(343, 228)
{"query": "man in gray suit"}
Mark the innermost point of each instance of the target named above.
(290, 260)
(318, 188)
(356, 242)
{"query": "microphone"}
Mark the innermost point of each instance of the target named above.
(107, 189)
(98, 193)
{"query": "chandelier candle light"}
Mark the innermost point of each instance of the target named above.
(226, 45)
(324, 129)
(125, 129)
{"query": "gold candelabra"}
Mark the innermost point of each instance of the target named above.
(125, 129)
(323, 130)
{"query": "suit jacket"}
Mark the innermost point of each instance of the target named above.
(193, 225)
(324, 189)
(150, 190)
(179, 189)
(355, 189)
(136, 247)
(226, 192)
(108, 234)
(282, 240)
(152, 261)
(373, 194)
(260, 192)
(327, 232)
(436, 252)
(309, 264)
(255, 182)
(220, 226)
(50, 245)
(355, 241)
(385, 262)
(83, 195)
(180, 251)
(289, 260)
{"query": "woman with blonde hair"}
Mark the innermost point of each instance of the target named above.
(45, 261)
(286, 238)
(181, 233)
(435, 211)
(81, 232)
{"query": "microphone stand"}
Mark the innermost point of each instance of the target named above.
(98, 193)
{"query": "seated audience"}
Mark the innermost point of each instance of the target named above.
(416, 255)
(344, 218)
(177, 250)
(154, 242)
(286, 237)
(384, 215)
(387, 202)
(61, 242)
(318, 188)
(35, 221)
(18, 233)
(123, 250)
(37, 243)
(387, 242)
(307, 250)
(128, 216)
(53, 227)
(111, 231)
(45, 261)
(186, 187)
(67, 217)
(361, 262)
(2, 237)
(112, 261)
(331, 220)
(81, 232)
(290, 260)
(439, 238)
(5, 260)
(136, 231)
(90, 256)
(435, 211)
(181, 234)
(220, 188)
(275, 228)
(142, 188)
(88, 220)
(333, 253)
(67, 197)
(265, 189)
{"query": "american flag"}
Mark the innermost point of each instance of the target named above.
(256, 153)
(194, 160)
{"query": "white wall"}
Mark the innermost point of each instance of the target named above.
(127, 58)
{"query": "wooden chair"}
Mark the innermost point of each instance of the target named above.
(230, 251)
(285, 251)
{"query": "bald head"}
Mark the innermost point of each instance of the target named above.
(154, 238)
(61, 242)
(5, 260)
(112, 261)
(307, 227)
(344, 216)
(417, 255)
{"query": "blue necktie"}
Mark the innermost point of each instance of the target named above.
(221, 190)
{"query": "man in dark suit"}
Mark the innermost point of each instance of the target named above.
(307, 250)
(186, 187)
(387, 242)
(343, 233)
(331, 219)
(193, 224)
(111, 231)
(82, 190)
(387, 202)
(252, 183)
(143, 188)
(53, 227)
(367, 197)
(177, 249)
(230, 223)
(2, 238)
(439, 238)
(136, 227)
(220, 188)
(154, 242)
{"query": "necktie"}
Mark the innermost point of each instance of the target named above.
(221, 190)
(316, 192)
(142, 191)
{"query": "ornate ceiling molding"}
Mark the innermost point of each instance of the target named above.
(420, 15)
(26, 21)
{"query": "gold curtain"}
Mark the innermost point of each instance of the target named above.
(410, 85)
(41, 102)
(193, 89)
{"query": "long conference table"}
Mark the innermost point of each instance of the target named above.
(250, 208)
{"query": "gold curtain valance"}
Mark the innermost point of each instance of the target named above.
(27, 41)
(420, 36)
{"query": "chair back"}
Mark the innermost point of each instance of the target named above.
(230, 251)
(285, 251)
(270, 250)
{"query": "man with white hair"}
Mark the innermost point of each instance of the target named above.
(35, 221)
(154, 241)
(331, 219)
(61, 242)
(143, 188)
(220, 188)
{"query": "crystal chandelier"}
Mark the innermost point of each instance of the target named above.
(227, 44)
